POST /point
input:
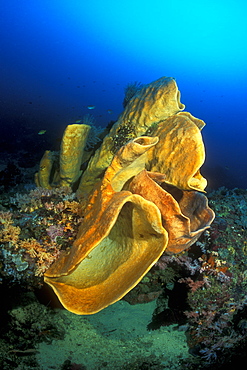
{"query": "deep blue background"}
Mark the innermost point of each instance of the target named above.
(59, 56)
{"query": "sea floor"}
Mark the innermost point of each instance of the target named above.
(115, 338)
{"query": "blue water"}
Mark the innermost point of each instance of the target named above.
(57, 57)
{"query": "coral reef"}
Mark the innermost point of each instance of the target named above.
(40, 224)
(138, 212)
(132, 222)
(217, 315)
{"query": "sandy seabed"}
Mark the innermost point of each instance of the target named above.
(114, 338)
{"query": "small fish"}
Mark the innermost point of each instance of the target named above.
(41, 132)
(110, 111)
(78, 121)
(90, 106)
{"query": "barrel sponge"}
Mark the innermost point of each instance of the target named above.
(120, 238)
(42, 177)
(72, 147)
(180, 152)
(151, 104)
